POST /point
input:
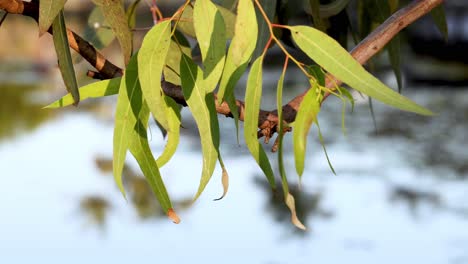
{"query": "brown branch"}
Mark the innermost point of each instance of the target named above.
(268, 120)
(365, 50)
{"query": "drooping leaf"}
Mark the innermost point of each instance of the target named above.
(64, 58)
(306, 115)
(131, 122)
(203, 110)
(269, 7)
(186, 21)
(131, 14)
(179, 44)
(291, 205)
(239, 54)
(151, 58)
(114, 13)
(438, 15)
(211, 36)
(289, 199)
(93, 90)
(337, 61)
(322, 142)
(240, 50)
(48, 11)
(173, 131)
(253, 95)
(224, 179)
(228, 4)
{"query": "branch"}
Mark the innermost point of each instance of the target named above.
(268, 120)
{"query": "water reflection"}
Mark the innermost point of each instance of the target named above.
(139, 191)
(20, 111)
(95, 208)
(308, 204)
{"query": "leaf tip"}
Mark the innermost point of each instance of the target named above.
(225, 182)
(292, 207)
(173, 216)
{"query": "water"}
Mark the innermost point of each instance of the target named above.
(399, 196)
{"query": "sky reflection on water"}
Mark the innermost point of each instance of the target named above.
(387, 204)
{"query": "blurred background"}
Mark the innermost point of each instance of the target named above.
(400, 194)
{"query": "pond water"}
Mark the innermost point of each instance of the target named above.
(400, 195)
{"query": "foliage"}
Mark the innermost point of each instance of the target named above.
(230, 37)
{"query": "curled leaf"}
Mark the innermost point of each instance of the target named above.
(292, 207)
(224, 182)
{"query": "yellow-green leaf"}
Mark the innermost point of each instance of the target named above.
(173, 131)
(48, 11)
(130, 133)
(93, 90)
(240, 50)
(179, 44)
(289, 199)
(306, 115)
(114, 13)
(253, 95)
(326, 52)
(131, 14)
(211, 36)
(151, 58)
(64, 58)
(186, 21)
(203, 110)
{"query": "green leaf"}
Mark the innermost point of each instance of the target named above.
(131, 122)
(151, 58)
(253, 95)
(306, 115)
(186, 21)
(239, 55)
(173, 132)
(269, 7)
(240, 51)
(64, 58)
(289, 199)
(114, 13)
(179, 44)
(326, 52)
(93, 90)
(211, 36)
(317, 73)
(438, 15)
(393, 48)
(203, 110)
(131, 14)
(48, 11)
(322, 142)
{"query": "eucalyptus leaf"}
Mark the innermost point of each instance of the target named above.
(151, 58)
(64, 58)
(306, 115)
(269, 7)
(173, 131)
(211, 36)
(203, 110)
(131, 123)
(93, 90)
(48, 11)
(253, 95)
(326, 52)
(114, 13)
